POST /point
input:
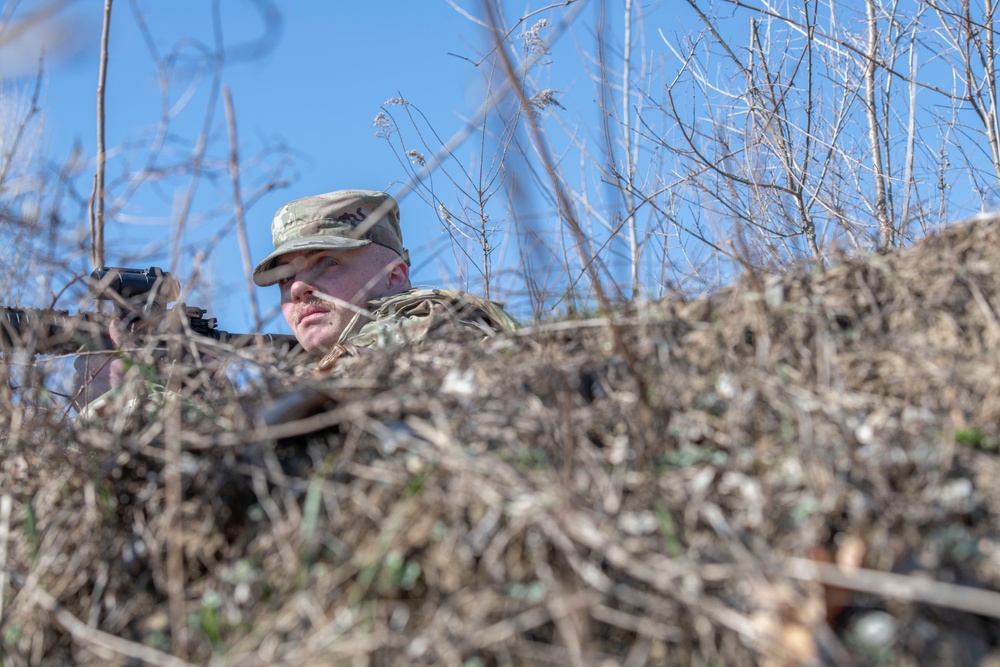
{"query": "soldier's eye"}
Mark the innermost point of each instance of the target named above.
(325, 262)
(285, 275)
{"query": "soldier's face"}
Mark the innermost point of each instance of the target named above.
(324, 289)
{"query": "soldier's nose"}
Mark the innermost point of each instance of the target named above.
(299, 288)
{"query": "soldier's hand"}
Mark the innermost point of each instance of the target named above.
(96, 373)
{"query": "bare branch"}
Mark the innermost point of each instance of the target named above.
(97, 196)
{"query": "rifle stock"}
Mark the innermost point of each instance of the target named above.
(41, 331)
(52, 331)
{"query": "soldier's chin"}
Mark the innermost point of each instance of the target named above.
(317, 342)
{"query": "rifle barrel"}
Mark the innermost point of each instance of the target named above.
(239, 340)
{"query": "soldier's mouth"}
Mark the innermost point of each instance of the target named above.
(309, 314)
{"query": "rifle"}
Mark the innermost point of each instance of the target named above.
(141, 297)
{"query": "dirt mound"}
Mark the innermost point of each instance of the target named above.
(797, 470)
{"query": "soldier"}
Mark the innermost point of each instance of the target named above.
(343, 273)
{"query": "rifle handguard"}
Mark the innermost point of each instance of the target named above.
(139, 294)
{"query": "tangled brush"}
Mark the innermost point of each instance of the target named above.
(796, 470)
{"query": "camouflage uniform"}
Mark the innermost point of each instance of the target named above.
(418, 314)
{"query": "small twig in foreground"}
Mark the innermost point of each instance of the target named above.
(903, 587)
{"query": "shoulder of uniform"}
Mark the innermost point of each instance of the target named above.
(419, 294)
(411, 300)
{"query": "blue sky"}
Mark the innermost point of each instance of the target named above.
(312, 86)
(308, 78)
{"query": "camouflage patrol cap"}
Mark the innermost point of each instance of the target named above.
(338, 220)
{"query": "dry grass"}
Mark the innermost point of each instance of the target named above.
(786, 469)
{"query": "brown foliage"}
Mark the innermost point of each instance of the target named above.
(814, 461)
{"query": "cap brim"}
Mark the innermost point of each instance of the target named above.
(265, 274)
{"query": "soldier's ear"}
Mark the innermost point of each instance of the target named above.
(399, 276)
